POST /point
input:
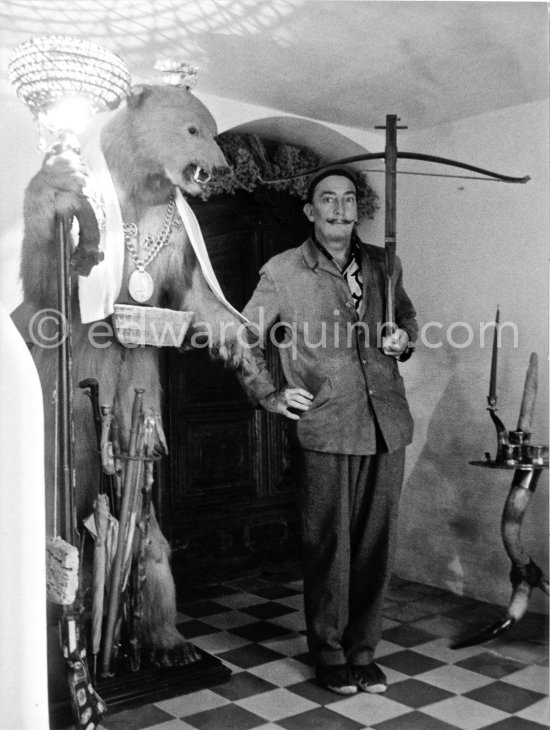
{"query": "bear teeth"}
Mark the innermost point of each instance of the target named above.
(201, 176)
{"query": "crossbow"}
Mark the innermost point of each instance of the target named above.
(390, 155)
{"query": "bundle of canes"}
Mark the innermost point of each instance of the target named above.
(131, 482)
(101, 524)
(124, 617)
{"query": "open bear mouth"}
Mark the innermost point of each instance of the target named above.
(198, 174)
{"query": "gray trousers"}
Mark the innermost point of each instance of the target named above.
(348, 507)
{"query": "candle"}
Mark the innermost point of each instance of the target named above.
(492, 397)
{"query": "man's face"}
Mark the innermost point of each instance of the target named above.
(333, 209)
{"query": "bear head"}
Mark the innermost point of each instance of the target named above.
(164, 137)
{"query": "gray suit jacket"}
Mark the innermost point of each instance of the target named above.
(328, 349)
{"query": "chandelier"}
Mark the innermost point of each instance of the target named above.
(55, 74)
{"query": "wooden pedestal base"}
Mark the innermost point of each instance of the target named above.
(132, 689)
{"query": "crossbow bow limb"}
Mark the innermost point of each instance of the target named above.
(489, 175)
(390, 155)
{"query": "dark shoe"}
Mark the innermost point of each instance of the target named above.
(370, 678)
(336, 678)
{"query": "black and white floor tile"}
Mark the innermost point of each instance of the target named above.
(256, 627)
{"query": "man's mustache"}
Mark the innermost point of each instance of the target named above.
(340, 220)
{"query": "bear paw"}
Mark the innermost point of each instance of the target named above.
(84, 260)
(176, 656)
(230, 352)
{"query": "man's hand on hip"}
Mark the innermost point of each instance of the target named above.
(282, 400)
(395, 344)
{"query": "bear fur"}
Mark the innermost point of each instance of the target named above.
(156, 142)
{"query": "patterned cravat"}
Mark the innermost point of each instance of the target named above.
(354, 277)
(352, 272)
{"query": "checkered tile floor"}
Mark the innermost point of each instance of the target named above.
(256, 627)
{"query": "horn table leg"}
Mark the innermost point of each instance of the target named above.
(525, 574)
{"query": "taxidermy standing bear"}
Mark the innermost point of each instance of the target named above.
(162, 139)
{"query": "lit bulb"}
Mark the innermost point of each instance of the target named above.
(70, 114)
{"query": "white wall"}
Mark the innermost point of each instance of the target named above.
(23, 695)
(19, 160)
(466, 247)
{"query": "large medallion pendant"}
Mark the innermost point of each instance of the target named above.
(141, 286)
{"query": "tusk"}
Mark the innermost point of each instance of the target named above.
(529, 395)
(525, 573)
(516, 610)
(485, 635)
(523, 486)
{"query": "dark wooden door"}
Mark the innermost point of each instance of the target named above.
(228, 499)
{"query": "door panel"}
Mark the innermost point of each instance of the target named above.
(230, 469)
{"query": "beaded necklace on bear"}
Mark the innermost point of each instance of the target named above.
(140, 284)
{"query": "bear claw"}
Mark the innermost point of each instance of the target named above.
(177, 656)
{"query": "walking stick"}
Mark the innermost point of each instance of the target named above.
(102, 422)
(150, 428)
(65, 392)
(90, 386)
(127, 499)
(101, 515)
(86, 704)
(109, 448)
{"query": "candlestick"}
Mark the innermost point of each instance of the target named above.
(492, 397)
